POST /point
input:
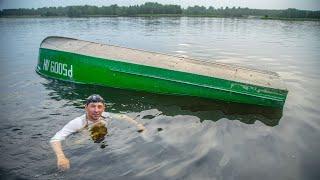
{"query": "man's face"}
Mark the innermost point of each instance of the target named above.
(94, 110)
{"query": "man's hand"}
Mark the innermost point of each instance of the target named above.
(141, 128)
(63, 163)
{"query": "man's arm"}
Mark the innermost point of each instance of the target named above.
(140, 126)
(63, 162)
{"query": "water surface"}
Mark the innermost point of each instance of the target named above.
(199, 139)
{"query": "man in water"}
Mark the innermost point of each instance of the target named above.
(95, 114)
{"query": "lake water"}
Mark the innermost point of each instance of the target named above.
(199, 139)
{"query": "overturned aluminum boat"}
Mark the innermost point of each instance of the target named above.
(100, 64)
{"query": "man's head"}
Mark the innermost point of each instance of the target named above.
(94, 107)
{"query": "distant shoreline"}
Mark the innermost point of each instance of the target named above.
(165, 15)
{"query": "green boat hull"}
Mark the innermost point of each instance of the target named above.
(79, 68)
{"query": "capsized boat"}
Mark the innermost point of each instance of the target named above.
(87, 62)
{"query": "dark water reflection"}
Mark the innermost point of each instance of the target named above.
(132, 101)
(186, 138)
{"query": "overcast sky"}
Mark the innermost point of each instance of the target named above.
(259, 4)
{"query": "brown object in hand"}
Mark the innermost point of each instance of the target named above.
(98, 132)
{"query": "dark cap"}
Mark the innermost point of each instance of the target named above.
(94, 98)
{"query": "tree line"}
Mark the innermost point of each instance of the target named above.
(153, 8)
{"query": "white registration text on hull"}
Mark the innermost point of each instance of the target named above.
(57, 68)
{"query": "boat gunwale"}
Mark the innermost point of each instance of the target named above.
(176, 94)
(161, 93)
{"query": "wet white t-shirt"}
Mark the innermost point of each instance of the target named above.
(78, 124)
